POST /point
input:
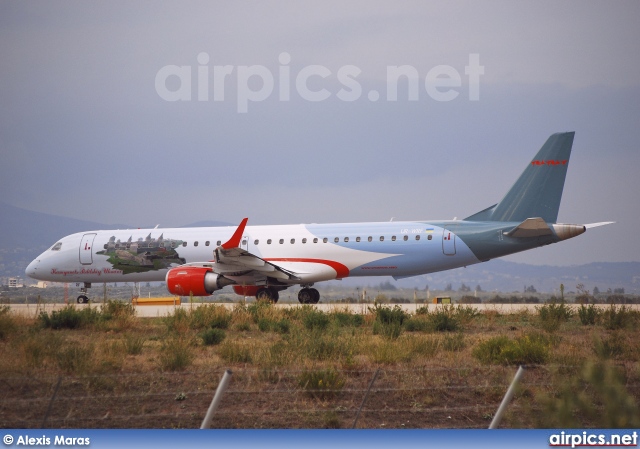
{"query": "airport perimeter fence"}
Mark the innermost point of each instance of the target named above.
(427, 397)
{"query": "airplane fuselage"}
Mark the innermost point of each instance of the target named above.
(317, 252)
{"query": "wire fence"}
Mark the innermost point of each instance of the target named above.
(426, 397)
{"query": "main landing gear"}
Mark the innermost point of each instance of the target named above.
(268, 294)
(83, 298)
(308, 296)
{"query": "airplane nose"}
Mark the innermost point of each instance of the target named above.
(32, 269)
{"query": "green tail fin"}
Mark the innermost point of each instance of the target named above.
(538, 190)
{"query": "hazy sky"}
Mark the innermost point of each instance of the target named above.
(86, 132)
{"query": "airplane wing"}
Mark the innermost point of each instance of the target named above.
(235, 263)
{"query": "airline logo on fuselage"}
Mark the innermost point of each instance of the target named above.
(550, 162)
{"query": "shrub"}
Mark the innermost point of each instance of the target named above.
(466, 314)
(117, 309)
(423, 345)
(234, 352)
(611, 347)
(315, 320)
(178, 321)
(390, 330)
(618, 317)
(266, 324)
(416, 324)
(259, 309)
(588, 315)
(210, 315)
(133, 344)
(596, 399)
(347, 319)
(175, 354)
(388, 321)
(324, 347)
(528, 349)
(7, 323)
(74, 358)
(68, 318)
(213, 336)
(553, 314)
(321, 384)
(454, 342)
(387, 315)
(444, 319)
(424, 310)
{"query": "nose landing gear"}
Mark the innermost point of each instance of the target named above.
(83, 298)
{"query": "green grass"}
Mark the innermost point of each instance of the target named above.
(524, 350)
(321, 384)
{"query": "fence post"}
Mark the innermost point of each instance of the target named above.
(495, 422)
(364, 399)
(206, 422)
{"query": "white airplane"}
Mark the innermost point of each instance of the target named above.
(263, 260)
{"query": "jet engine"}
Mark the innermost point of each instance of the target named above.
(196, 281)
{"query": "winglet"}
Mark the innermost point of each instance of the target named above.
(234, 241)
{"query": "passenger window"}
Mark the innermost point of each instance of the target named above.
(58, 245)
(357, 239)
(429, 237)
(218, 243)
(304, 240)
(337, 239)
(418, 237)
(256, 241)
(370, 239)
(405, 238)
(207, 243)
(195, 243)
(325, 240)
(268, 241)
(293, 241)
(315, 240)
(244, 242)
(382, 238)
(346, 240)
(393, 238)
(281, 241)
(184, 243)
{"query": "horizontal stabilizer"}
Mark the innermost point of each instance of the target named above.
(595, 225)
(531, 227)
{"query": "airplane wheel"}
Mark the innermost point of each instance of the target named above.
(305, 296)
(82, 299)
(266, 294)
(315, 295)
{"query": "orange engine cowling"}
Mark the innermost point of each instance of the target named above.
(196, 281)
(246, 290)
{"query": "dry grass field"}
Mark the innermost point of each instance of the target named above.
(301, 367)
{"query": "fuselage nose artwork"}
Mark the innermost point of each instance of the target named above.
(263, 260)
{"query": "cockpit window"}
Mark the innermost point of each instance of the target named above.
(56, 247)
